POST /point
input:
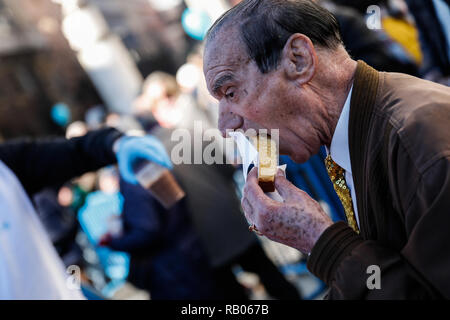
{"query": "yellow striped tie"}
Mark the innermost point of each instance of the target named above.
(337, 176)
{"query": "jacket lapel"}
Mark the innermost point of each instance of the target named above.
(365, 87)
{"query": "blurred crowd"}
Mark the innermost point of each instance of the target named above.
(201, 247)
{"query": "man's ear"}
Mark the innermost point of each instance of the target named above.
(299, 59)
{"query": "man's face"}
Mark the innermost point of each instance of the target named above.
(249, 99)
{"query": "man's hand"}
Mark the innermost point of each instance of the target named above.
(132, 149)
(297, 222)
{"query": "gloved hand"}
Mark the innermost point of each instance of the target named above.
(132, 149)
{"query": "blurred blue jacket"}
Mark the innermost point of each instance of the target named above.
(166, 257)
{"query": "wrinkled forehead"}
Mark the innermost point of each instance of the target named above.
(224, 49)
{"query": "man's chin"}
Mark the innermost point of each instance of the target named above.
(298, 158)
(299, 154)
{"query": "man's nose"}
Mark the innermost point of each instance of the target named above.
(229, 120)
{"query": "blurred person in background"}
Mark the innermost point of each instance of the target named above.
(166, 256)
(161, 99)
(373, 46)
(421, 27)
(211, 200)
(29, 265)
(57, 210)
(57, 207)
(191, 81)
(433, 21)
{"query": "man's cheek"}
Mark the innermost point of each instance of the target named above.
(256, 117)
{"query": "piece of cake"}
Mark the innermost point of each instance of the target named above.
(267, 161)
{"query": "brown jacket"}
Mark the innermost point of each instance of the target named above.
(399, 140)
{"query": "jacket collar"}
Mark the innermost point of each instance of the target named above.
(365, 88)
(339, 149)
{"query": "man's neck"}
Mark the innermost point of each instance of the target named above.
(340, 78)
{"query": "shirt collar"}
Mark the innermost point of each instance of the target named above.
(339, 149)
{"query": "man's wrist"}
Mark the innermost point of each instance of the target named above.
(333, 245)
(323, 227)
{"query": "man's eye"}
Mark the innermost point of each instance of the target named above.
(229, 93)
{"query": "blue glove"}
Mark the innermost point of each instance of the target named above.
(132, 149)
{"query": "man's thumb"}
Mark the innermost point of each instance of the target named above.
(283, 186)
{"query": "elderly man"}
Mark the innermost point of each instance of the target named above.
(281, 65)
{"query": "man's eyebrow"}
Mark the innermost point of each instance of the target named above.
(221, 81)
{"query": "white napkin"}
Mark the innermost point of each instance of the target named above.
(249, 156)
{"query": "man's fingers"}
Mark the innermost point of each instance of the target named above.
(285, 188)
(253, 192)
(248, 210)
(256, 204)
